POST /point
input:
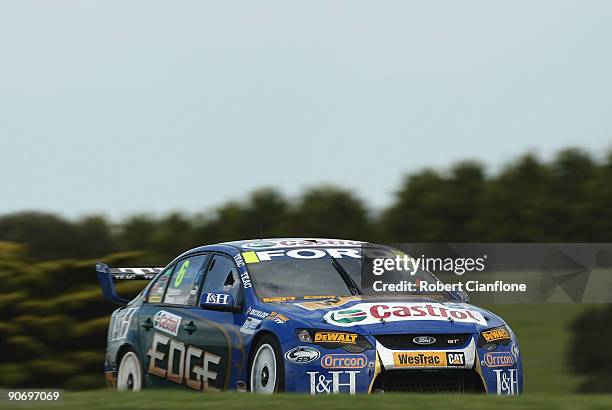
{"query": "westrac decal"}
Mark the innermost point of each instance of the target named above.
(372, 313)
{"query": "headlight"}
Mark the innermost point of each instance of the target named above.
(489, 339)
(329, 339)
(303, 336)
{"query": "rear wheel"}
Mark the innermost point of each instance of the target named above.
(267, 368)
(129, 377)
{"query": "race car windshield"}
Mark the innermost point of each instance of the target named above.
(298, 278)
(281, 275)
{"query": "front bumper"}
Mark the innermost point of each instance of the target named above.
(462, 369)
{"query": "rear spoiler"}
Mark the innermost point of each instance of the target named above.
(107, 276)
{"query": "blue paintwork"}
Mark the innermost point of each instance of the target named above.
(298, 376)
(107, 285)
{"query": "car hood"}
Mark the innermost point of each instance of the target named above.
(388, 316)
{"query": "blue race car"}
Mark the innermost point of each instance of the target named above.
(278, 315)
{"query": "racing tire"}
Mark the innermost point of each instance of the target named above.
(130, 376)
(266, 368)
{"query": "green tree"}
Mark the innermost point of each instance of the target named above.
(173, 235)
(95, 237)
(264, 213)
(572, 172)
(136, 232)
(431, 207)
(330, 212)
(46, 235)
(517, 203)
(597, 216)
(589, 352)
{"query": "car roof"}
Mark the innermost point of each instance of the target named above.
(278, 243)
(292, 242)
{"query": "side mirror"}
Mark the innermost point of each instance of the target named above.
(218, 301)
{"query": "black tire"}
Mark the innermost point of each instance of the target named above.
(261, 370)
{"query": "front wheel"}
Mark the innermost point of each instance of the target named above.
(267, 367)
(129, 377)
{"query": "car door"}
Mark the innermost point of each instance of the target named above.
(217, 353)
(161, 320)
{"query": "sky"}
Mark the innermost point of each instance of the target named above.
(122, 107)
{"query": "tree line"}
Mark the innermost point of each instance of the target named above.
(565, 199)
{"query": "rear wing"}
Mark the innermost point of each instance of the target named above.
(107, 276)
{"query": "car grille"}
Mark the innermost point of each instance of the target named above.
(429, 381)
(405, 341)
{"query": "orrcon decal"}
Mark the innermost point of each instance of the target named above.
(371, 313)
(344, 361)
(498, 359)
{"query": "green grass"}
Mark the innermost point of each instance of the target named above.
(185, 400)
(543, 334)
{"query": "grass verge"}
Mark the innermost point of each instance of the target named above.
(185, 400)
